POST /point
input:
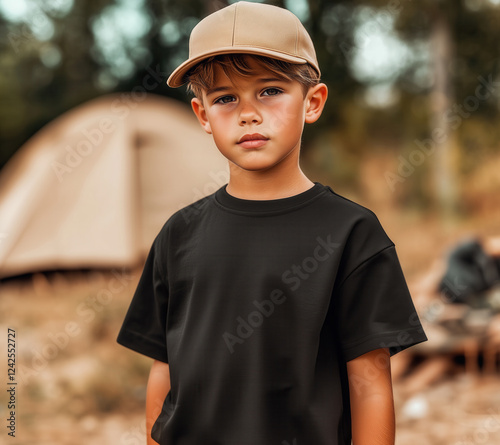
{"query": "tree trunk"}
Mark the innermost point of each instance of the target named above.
(444, 175)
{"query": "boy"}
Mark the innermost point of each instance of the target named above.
(272, 306)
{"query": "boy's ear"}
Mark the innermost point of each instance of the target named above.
(315, 102)
(201, 114)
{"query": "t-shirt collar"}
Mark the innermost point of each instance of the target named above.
(224, 199)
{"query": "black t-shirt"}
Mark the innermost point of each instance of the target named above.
(257, 306)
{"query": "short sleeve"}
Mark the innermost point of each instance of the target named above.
(374, 309)
(144, 327)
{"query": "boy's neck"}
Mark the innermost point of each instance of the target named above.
(266, 185)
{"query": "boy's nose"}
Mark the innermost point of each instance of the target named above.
(249, 114)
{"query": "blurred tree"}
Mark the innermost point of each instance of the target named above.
(46, 66)
(463, 38)
(446, 84)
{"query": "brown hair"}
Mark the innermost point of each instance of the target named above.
(202, 76)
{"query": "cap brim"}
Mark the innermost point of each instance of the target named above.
(178, 77)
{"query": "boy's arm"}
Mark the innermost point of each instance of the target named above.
(372, 403)
(157, 390)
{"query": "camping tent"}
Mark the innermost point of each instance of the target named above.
(93, 187)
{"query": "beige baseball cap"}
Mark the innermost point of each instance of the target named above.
(248, 28)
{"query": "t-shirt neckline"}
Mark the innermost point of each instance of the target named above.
(232, 203)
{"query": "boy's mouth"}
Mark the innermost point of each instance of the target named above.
(254, 140)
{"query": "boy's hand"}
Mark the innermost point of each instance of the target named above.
(158, 388)
(372, 403)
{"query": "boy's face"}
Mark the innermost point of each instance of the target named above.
(257, 121)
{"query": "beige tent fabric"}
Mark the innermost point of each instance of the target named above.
(94, 186)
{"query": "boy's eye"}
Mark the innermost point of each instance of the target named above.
(272, 92)
(224, 100)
